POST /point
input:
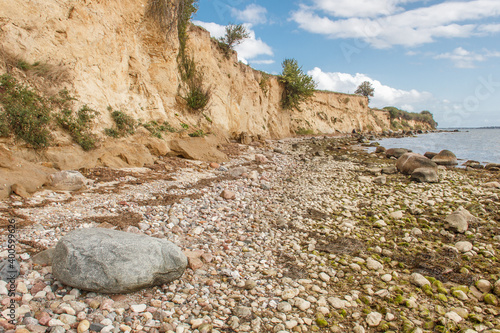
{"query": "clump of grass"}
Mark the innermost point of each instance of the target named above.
(197, 97)
(79, 126)
(264, 83)
(25, 113)
(184, 126)
(304, 131)
(124, 124)
(156, 129)
(197, 134)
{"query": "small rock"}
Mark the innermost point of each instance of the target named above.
(325, 277)
(284, 307)
(374, 264)
(242, 312)
(419, 280)
(228, 195)
(453, 316)
(83, 326)
(463, 246)
(373, 319)
(138, 308)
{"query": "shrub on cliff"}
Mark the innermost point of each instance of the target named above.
(424, 116)
(79, 126)
(124, 124)
(298, 86)
(24, 113)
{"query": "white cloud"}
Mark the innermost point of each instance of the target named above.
(358, 8)
(263, 62)
(250, 48)
(384, 95)
(253, 14)
(382, 23)
(462, 58)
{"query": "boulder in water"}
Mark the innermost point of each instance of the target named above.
(111, 261)
(396, 152)
(380, 149)
(430, 155)
(492, 167)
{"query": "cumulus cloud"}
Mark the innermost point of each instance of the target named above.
(384, 23)
(253, 14)
(249, 49)
(462, 58)
(384, 95)
(263, 62)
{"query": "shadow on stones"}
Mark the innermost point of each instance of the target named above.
(121, 221)
(444, 265)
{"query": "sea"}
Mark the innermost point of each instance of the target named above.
(478, 144)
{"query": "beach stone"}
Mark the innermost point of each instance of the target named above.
(43, 258)
(459, 220)
(228, 195)
(492, 166)
(453, 316)
(463, 246)
(496, 287)
(259, 158)
(380, 180)
(425, 175)
(83, 326)
(111, 261)
(445, 157)
(238, 171)
(373, 319)
(410, 162)
(492, 185)
(390, 170)
(483, 285)
(67, 180)
(242, 311)
(374, 264)
(473, 164)
(419, 280)
(430, 155)
(396, 152)
(284, 307)
(380, 150)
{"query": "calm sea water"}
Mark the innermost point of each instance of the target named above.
(481, 145)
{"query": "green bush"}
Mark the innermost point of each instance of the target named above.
(197, 97)
(198, 133)
(157, 129)
(298, 86)
(25, 113)
(79, 126)
(124, 124)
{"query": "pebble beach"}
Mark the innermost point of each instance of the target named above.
(295, 235)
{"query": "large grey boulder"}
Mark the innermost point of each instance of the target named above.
(111, 261)
(67, 180)
(409, 162)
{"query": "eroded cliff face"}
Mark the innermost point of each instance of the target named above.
(115, 57)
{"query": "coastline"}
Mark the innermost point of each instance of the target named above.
(311, 241)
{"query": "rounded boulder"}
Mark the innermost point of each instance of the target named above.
(445, 157)
(409, 162)
(111, 261)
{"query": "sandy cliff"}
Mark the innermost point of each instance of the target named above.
(107, 54)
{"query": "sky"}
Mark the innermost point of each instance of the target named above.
(436, 55)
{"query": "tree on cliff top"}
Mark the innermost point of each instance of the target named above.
(298, 86)
(365, 89)
(235, 34)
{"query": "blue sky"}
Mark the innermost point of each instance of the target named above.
(436, 55)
